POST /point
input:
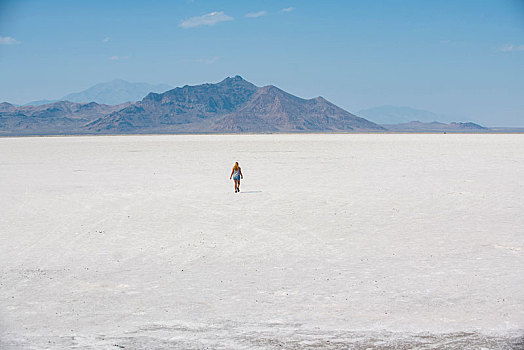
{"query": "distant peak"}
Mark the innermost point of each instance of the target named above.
(5, 106)
(119, 83)
(233, 79)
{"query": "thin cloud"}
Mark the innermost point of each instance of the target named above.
(512, 48)
(287, 9)
(7, 40)
(208, 60)
(106, 39)
(256, 14)
(209, 19)
(118, 58)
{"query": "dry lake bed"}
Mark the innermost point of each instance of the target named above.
(335, 241)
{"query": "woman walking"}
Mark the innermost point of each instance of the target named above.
(236, 174)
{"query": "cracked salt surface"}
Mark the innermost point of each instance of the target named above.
(336, 241)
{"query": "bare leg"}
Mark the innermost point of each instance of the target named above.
(238, 186)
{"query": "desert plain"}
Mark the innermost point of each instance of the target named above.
(335, 241)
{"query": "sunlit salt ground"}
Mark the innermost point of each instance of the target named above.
(336, 241)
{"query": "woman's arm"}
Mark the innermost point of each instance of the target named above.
(232, 171)
(240, 172)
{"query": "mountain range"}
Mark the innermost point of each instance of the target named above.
(62, 117)
(233, 105)
(399, 115)
(110, 93)
(416, 126)
(230, 106)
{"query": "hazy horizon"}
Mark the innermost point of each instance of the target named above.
(462, 59)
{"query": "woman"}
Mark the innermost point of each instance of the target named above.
(236, 174)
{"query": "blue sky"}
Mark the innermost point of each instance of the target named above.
(461, 58)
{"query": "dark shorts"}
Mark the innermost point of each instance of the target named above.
(236, 177)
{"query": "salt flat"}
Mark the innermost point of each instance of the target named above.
(336, 241)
